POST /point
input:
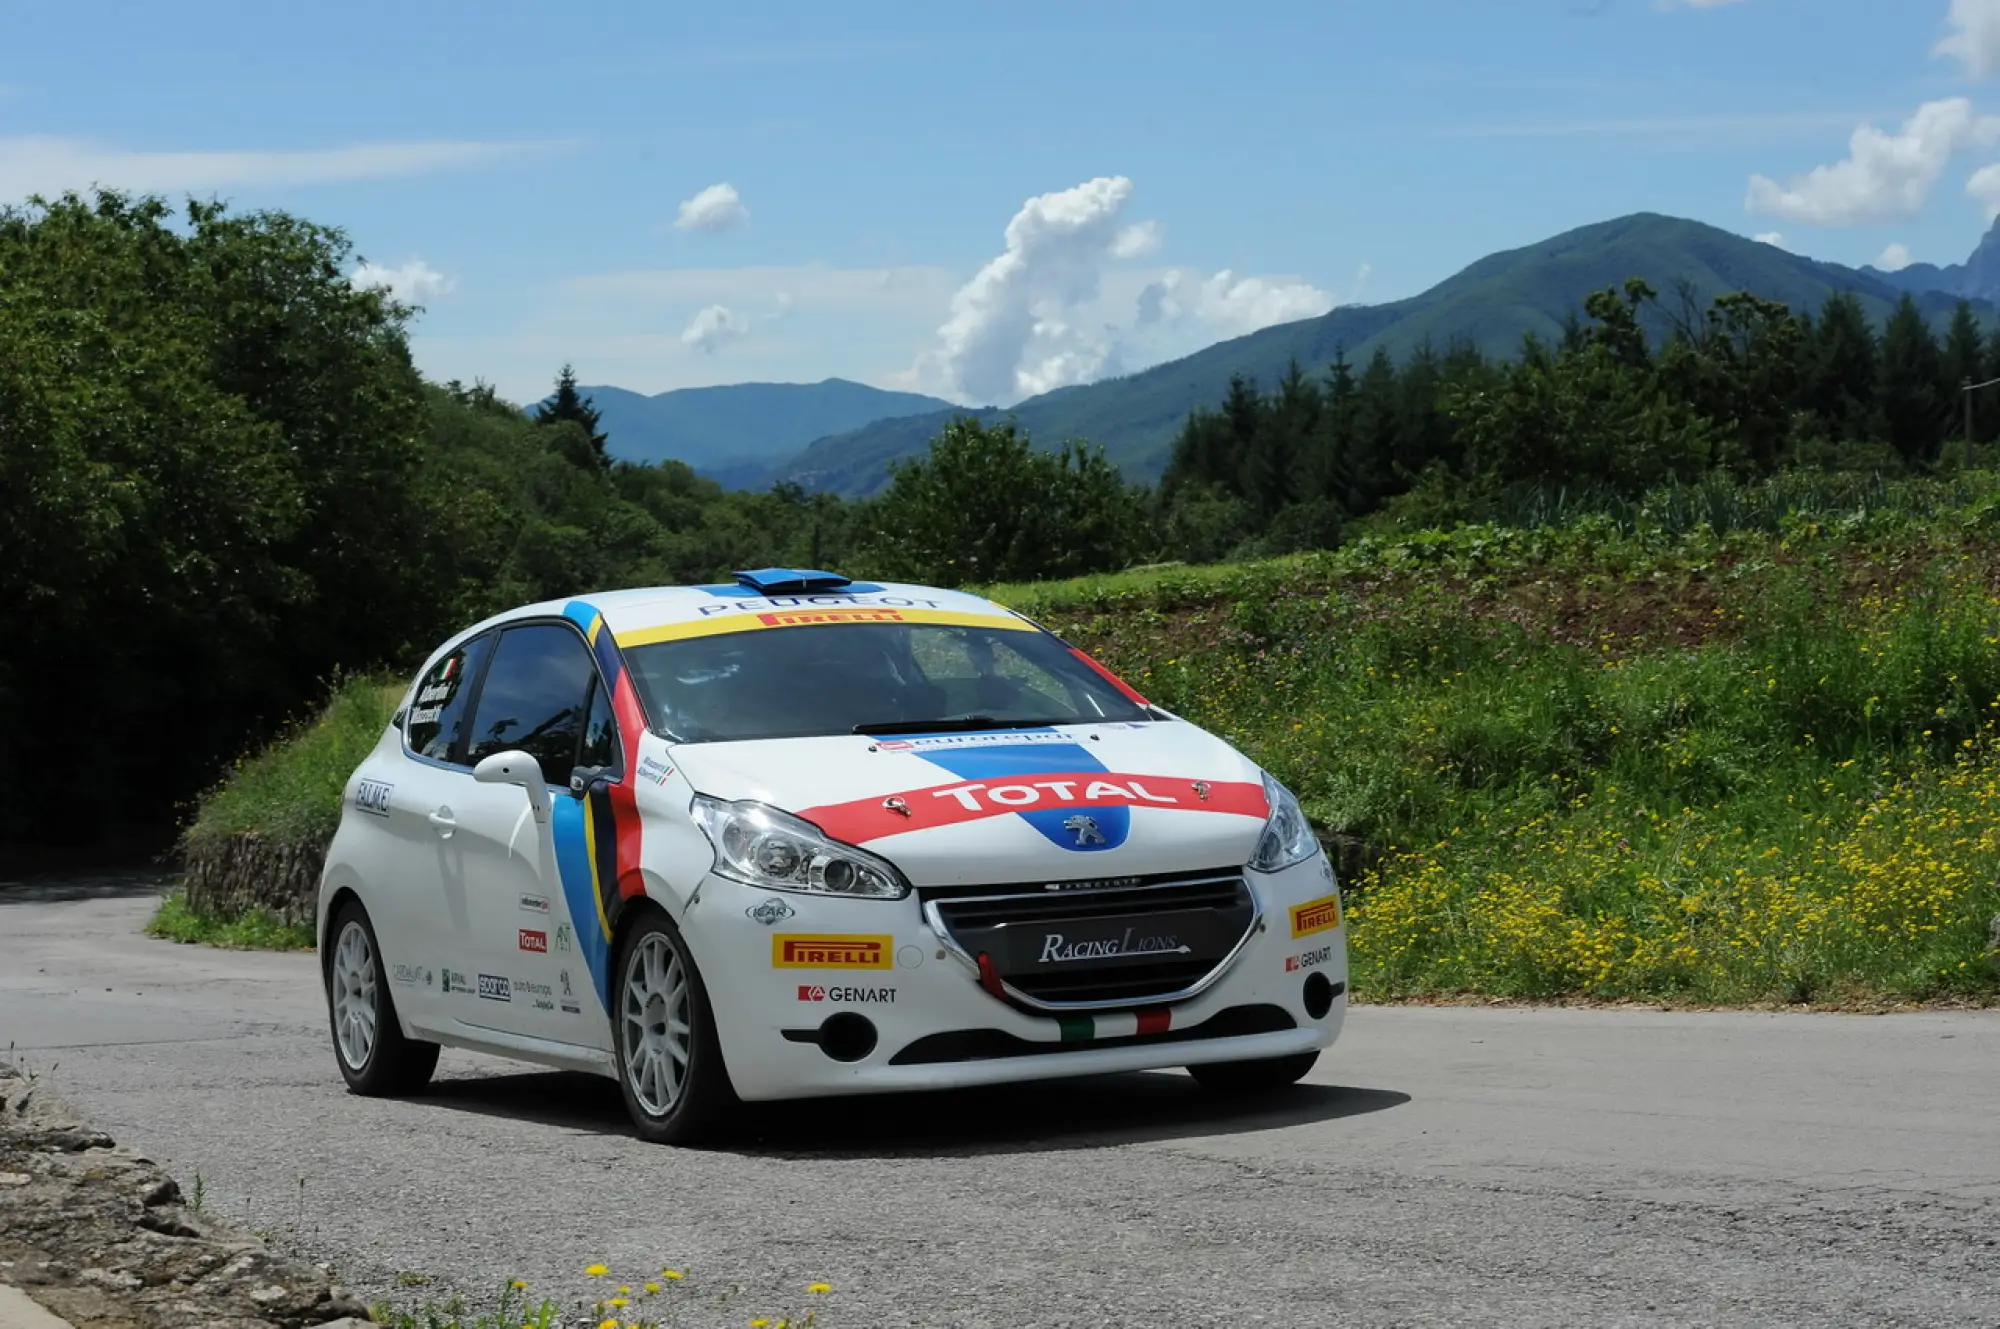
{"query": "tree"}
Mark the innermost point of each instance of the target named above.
(1842, 367)
(1912, 370)
(983, 505)
(1964, 362)
(570, 406)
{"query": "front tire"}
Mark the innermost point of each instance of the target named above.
(375, 1059)
(1253, 1077)
(670, 1067)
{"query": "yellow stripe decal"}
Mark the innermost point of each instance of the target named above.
(815, 617)
(596, 876)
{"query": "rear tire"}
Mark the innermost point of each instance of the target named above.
(670, 1067)
(374, 1057)
(1253, 1077)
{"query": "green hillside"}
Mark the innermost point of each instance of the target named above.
(723, 429)
(1493, 304)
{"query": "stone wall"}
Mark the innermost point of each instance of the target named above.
(228, 876)
(101, 1236)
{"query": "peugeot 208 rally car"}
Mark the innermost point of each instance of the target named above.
(800, 835)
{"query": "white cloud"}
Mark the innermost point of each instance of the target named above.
(1895, 258)
(1975, 39)
(1009, 334)
(412, 283)
(712, 327)
(1230, 305)
(1984, 185)
(1885, 177)
(1776, 239)
(44, 164)
(716, 208)
(1137, 241)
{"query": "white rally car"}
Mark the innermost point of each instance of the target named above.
(800, 835)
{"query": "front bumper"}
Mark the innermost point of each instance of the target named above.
(777, 976)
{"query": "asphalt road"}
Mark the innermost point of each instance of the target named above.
(1441, 1167)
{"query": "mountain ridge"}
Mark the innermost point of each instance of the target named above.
(1492, 302)
(735, 431)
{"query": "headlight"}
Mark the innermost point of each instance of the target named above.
(1288, 837)
(761, 846)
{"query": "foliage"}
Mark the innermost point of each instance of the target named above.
(254, 931)
(984, 504)
(1715, 767)
(657, 1302)
(291, 789)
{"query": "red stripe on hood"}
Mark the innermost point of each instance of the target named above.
(863, 819)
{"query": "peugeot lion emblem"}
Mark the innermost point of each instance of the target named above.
(1085, 829)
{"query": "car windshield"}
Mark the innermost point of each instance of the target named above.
(843, 678)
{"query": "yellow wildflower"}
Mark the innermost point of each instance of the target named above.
(598, 1270)
(819, 1287)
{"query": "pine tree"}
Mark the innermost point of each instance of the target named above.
(569, 405)
(1912, 368)
(1964, 362)
(1842, 369)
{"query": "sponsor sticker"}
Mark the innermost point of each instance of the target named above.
(372, 797)
(655, 770)
(794, 951)
(412, 973)
(949, 742)
(1057, 949)
(493, 987)
(534, 904)
(848, 996)
(1321, 915)
(565, 939)
(1310, 960)
(455, 981)
(569, 1002)
(531, 940)
(770, 911)
(793, 618)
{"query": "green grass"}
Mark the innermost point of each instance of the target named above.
(257, 931)
(291, 788)
(1583, 761)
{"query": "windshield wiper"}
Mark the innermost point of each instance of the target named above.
(954, 722)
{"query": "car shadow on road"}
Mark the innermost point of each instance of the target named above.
(1026, 1118)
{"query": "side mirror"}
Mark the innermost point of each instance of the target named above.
(517, 767)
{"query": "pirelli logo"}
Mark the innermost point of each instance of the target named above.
(1321, 915)
(792, 951)
(798, 618)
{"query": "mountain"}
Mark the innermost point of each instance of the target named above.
(736, 432)
(1978, 278)
(1492, 303)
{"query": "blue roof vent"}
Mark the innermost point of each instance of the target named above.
(791, 581)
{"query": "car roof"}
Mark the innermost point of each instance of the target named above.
(640, 615)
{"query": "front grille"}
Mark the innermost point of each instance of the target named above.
(1089, 943)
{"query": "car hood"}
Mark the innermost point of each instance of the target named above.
(1058, 803)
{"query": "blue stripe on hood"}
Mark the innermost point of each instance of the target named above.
(1002, 763)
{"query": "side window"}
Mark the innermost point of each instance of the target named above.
(437, 713)
(534, 698)
(600, 731)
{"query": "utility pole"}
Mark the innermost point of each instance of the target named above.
(1966, 388)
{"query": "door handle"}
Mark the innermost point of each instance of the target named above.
(444, 821)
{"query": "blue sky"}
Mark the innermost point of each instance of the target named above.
(1201, 169)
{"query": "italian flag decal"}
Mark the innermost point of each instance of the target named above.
(1113, 1024)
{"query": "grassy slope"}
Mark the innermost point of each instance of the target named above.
(291, 789)
(1753, 768)
(1492, 303)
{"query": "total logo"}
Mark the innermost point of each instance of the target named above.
(1054, 793)
(537, 942)
(848, 996)
(1310, 960)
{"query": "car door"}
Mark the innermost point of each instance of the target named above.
(542, 695)
(421, 902)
